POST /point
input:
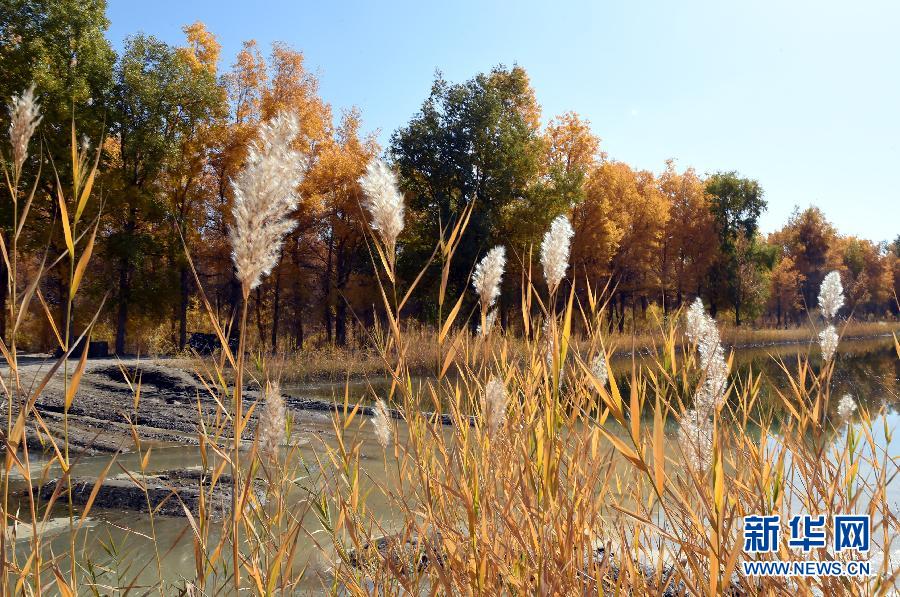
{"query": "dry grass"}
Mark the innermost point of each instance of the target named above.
(582, 491)
(321, 361)
(578, 491)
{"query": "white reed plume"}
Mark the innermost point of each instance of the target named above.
(600, 369)
(695, 435)
(487, 277)
(494, 405)
(846, 406)
(265, 194)
(271, 427)
(828, 341)
(831, 299)
(555, 251)
(696, 427)
(381, 421)
(701, 329)
(384, 203)
(696, 320)
(24, 117)
(831, 295)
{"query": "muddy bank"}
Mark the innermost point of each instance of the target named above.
(165, 410)
(166, 493)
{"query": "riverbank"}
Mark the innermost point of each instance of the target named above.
(109, 410)
(329, 363)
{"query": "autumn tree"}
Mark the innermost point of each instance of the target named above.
(572, 157)
(341, 224)
(597, 232)
(189, 181)
(618, 231)
(642, 222)
(291, 87)
(159, 100)
(736, 204)
(244, 84)
(473, 141)
(689, 244)
(868, 276)
(785, 297)
(60, 47)
(811, 241)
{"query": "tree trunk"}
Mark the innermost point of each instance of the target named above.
(340, 322)
(260, 329)
(276, 309)
(621, 314)
(183, 307)
(124, 298)
(298, 332)
(326, 290)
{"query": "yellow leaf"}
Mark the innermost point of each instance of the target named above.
(719, 483)
(451, 317)
(64, 216)
(82, 263)
(659, 457)
(64, 589)
(86, 192)
(76, 377)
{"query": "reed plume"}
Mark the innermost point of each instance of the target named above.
(828, 342)
(381, 421)
(696, 428)
(555, 251)
(24, 117)
(488, 275)
(701, 329)
(271, 427)
(265, 194)
(494, 404)
(846, 406)
(831, 295)
(486, 281)
(695, 434)
(831, 299)
(600, 369)
(489, 320)
(384, 204)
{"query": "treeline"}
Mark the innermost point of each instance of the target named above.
(173, 130)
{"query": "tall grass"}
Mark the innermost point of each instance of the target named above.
(519, 467)
(582, 489)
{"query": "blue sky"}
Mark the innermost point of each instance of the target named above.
(803, 96)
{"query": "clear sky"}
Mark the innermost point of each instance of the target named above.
(802, 95)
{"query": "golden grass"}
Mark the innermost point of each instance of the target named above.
(579, 491)
(321, 361)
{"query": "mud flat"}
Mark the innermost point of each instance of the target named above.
(167, 493)
(103, 413)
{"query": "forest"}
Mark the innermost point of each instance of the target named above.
(169, 128)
